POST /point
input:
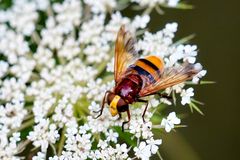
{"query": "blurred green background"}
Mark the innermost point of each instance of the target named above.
(216, 135)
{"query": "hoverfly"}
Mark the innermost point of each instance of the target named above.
(139, 77)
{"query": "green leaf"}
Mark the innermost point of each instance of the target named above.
(125, 136)
(5, 4)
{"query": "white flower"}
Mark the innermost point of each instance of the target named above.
(165, 101)
(68, 14)
(135, 127)
(102, 144)
(110, 66)
(12, 114)
(112, 136)
(70, 49)
(23, 69)
(43, 134)
(13, 45)
(12, 89)
(96, 24)
(8, 147)
(171, 120)
(83, 129)
(23, 17)
(152, 3)
(173, 3)
(63, 112)
(121, 151)
(3, 68)
(39, 156)
(197, 77)
(176, 89)
(154, 102)
(42, 4)
(154, 144)
(158, 44)
(143, 151)
(101, 5)
(190, 53)
(146, 130)
(186, 96)
(140, 21)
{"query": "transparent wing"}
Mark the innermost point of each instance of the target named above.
(170, 77)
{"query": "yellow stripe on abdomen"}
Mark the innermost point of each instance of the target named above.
(151, 66)
(146, 67)
(158, 62)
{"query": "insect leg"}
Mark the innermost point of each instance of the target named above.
(162, 95)
(129, 118)
(141, 100)
(103, 102)
(120, 115)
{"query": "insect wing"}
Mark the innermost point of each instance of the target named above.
(170, 77)
(125, 53)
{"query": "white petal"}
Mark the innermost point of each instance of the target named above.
(154, 149)
(167, 128)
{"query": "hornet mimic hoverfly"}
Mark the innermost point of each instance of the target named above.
(139, 77)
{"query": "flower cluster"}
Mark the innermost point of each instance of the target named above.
(152, 3)
(56, 62)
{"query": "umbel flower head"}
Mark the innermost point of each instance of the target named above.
(56, 62)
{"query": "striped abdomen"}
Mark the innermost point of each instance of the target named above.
(150, 66)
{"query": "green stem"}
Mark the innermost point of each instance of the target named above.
(198, 102)
(62, 140)
(22, 145)
(185, 39)
(159, 10)
(148, 11)
(101, 68)
(159, 155)
(194, 106)
(35, 37)
(50, 12)
(53, 148)
(23, 126)
(201, 82)
(31, 116)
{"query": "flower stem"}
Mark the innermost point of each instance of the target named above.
(53, 148)
(35, 37)
(159, 155)
(22, 145)
(62, 140)
(148, 11)
(23, 126)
